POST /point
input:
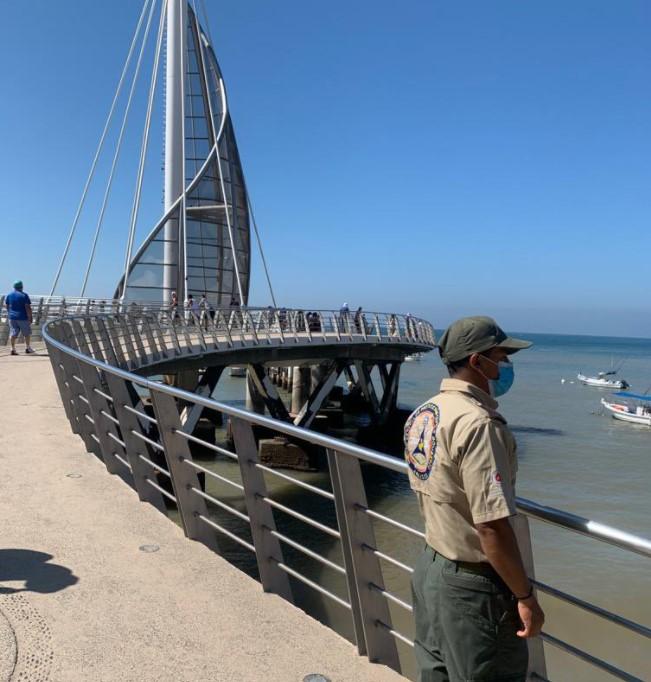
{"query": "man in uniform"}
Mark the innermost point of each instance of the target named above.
(473, 602)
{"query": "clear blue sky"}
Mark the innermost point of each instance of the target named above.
(442, 158)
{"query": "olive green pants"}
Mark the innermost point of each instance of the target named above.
(465, 625)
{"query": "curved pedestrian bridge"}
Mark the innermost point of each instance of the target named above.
(225, 497)
(151, 341)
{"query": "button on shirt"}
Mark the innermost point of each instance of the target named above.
(462, 465)
(17, 303)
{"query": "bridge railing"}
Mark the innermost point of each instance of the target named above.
(136, 426)
(138, 338)
(253, 324)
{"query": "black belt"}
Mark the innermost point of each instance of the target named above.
(479, 568)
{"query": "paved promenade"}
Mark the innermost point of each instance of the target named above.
(80, 601)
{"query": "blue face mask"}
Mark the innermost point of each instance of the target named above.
(504, 380)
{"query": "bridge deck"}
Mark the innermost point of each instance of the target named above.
(83, 602)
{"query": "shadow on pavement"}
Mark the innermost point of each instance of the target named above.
(32, 568)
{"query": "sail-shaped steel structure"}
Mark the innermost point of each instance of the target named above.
(202, 243)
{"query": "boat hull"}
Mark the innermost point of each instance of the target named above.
(621, 412)
(601, 383)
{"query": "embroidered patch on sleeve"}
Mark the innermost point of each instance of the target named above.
(495, 487)
(420, 440)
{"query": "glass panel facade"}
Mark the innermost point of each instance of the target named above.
(216, 219)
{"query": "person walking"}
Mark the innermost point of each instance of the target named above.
(474, 605)
(19, 314)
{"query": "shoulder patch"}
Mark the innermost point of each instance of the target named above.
(420, 440)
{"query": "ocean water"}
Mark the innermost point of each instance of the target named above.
(571, 456)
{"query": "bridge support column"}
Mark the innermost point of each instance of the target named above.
(260, 383)
(254, 400)
(300, 388)
(328, 374)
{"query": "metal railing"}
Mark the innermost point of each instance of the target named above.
(136, 334)
(259, 324)
(136, 427)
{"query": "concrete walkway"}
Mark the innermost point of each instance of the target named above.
(80, 601)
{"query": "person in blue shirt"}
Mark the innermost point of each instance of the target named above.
(19, 312)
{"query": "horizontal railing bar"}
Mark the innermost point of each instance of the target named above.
(161, 490)
(77, 379)
(151, 442)
(301, 517)
(133, 410)
(227, 533)
(302, 484)
(212, 473)
(311, 583)
(386, 519)
(589, 658)
(205, 444)
(155, 466)
(94, 437)
(392, 597)
(221, 505)
(83, 398)
(116, 439)
(308, 552)
(106, 396)
(87, 417)
(596, 610)
(387, 558)
(124, 461)
(110, 417)
(583, 526)
(395, 633)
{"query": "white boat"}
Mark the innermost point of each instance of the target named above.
(602, 381)
(414, 357)
(236, 371)
(634, 408)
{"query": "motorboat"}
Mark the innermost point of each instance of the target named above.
(414, 357)
(630, 407)
(602, 381)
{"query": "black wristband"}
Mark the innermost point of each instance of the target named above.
(526, 596)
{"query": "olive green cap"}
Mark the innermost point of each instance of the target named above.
(475, 335)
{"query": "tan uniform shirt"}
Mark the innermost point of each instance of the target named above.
(462, 465)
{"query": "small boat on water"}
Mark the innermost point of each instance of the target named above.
(414, 357)
(631, 407)
(602, 381)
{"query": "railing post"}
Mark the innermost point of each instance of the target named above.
(116, 341)
(64, 387)
(363, 569)
(151, 342)
(107, 347)
(80, 409)
(522, 532)
(90, 326)
(267, 547)
(97, 405)
(135, 447)
(184, 477)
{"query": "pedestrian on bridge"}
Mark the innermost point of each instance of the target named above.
(473, 602)
(19, 313)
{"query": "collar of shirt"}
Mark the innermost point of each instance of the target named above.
(459, 386)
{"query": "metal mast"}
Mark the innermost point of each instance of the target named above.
(174, 270)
